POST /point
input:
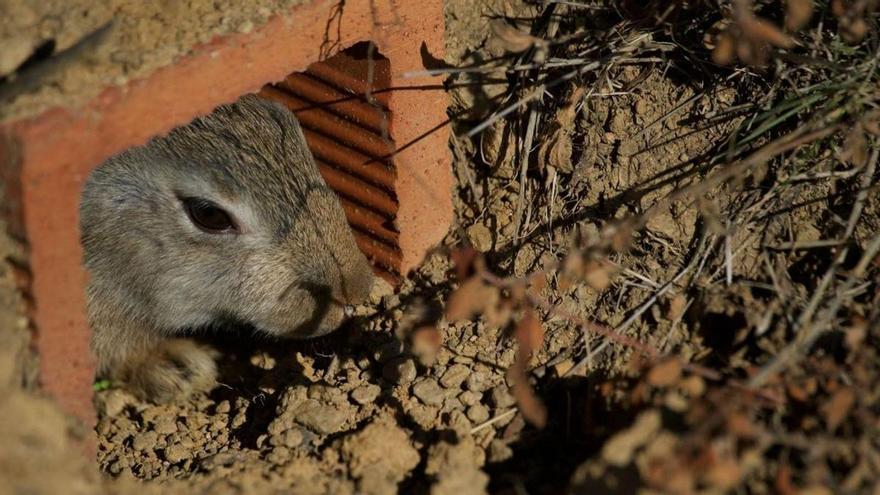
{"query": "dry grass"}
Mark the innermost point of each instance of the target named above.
(755, 333)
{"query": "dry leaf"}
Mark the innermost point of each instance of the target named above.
(712, 35)
(723, 54)
(513, 40)
(797, 393)
(573, 265)
(855, 30)
(725, 474)
(529, 333)
(783, 484)
(564, 282)
(498, 315)
(855, 147)
(619, 449)
(665, 374)
(741, 426)
(851, 18)
(749, 39)
(871, 122)
(556, 151)
(621, 238)
(798, 13)
(471, 298)
(531, 407)
(677, 306)
(856, 333)
(597, 275)
(463, 259)
(838, 408)
(695, 386)
(757, 29)
(567, 113)
(517, 291)
(426, 339)
(537, 283)
(681, 481)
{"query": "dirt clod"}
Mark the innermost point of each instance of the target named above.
(380, 456)
(429, 391)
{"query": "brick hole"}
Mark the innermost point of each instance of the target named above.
(342, 105)
(402, 209)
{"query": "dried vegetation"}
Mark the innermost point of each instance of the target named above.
(718, 254)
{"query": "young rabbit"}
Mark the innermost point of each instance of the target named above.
(224, 219)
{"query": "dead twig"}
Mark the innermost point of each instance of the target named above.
(806, 327)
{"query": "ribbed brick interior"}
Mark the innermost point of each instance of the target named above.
(343, 110)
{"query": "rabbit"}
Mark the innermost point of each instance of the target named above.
(223, 219)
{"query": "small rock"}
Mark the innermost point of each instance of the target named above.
(279, 456)
(459, 422)
(291, 438)
(478, 413)
(400, 371)
(196, 420)
(145, 441)
(451, 404)
(177, 453)
(223, 407)
(477, 382)
(165, 427)
(455, 376)
(321, 418)
(324, 393)
(455, 467)
(422, 415)
(619, 449)
(246, 27)
(469, 398)
(365, 394)
(280, 424)
(663, 222)
(112, 402)
(104, 427)
(499, 451)
(480, 237)
(119, 437)
(429, 391)
(218, 424)
(380, 456)
(501, 398)
(220, 459)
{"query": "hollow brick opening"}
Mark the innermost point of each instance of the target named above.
(342, 105)
(398, 206)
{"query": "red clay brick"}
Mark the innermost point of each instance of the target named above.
(44, 160)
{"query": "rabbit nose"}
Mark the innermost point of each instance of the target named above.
(348, 310)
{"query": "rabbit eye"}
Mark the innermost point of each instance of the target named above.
(208, 216)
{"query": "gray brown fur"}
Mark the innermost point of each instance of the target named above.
(153, 274)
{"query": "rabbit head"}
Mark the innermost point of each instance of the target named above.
(226, 218)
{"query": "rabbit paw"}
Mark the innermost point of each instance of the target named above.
(174, 370)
